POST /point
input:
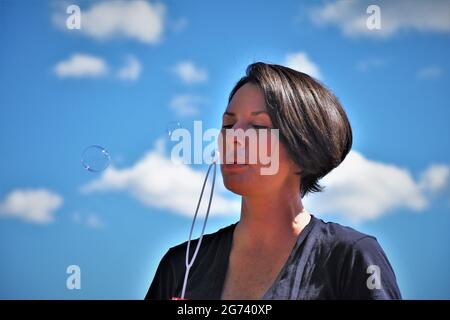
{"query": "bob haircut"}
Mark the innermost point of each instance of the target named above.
(312, 124)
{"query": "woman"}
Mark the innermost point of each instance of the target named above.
(277, 250)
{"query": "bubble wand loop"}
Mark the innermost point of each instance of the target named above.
(189, 264)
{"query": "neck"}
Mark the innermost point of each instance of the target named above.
(271, 220)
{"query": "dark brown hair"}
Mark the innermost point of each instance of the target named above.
(312, 124)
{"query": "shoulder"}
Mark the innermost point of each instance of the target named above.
(209, 242)
(334, 237)
(345, 245)
(331, 231)
(356, 258)
(171, 268)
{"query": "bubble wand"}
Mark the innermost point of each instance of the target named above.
(197, 248)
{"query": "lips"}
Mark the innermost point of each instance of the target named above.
(234, 162)
(234, 166)
(233, 157)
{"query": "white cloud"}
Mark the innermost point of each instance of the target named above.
(369, 64)
(418, 15)
(301, 62)
(359, 189)
(435, 178)
(187, 104)
(81, 65)
(157, 182)
(179, 24)
(131, 71)
(138, 20)
(362, 189)
(190, 73)
(431, 72)
(90, 220)
(31, 205)
(94, 221)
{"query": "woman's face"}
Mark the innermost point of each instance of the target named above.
(247, 110)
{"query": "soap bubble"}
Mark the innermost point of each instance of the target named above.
(95, 158)
(171, 127)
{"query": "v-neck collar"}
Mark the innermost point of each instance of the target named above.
(220, 279)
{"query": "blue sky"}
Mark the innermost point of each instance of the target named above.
(118, 82)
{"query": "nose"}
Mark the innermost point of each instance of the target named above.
(233, 144)
(238, 141)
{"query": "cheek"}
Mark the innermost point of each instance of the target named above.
(287, 164)
(281, 167)
(271, 152)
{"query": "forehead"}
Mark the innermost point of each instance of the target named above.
(247, 99)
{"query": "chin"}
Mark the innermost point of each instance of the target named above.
(243, 182)
(237, 184)
(241, 185)
(237, 189)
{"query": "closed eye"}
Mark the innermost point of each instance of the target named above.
(229, 126)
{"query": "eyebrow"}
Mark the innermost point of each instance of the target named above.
(254, 113)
